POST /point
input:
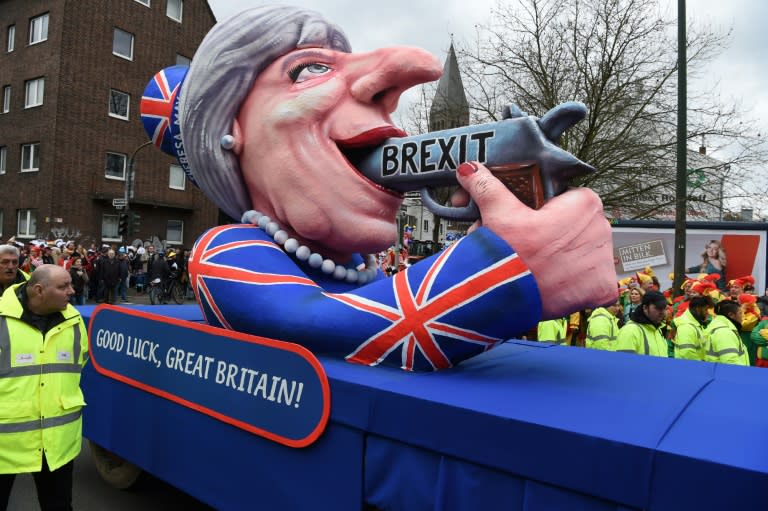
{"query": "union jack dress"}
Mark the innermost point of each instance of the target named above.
(451, 306)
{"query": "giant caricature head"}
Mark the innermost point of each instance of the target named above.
(272, 101)
(284, 83)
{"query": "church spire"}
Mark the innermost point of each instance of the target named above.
(449, 107)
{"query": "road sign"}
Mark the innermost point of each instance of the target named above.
(118, 203)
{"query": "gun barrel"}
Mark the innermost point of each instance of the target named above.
(430, 160)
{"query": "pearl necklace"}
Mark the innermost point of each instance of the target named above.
(313, 259)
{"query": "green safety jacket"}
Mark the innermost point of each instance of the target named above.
(759, 336)
(641, 338)
(724, 343)
(40, 396)
(553, 330)
(602, 329)
(690, 340)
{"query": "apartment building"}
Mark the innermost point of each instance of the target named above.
(72, 73)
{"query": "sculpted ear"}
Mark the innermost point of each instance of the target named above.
(237, 132)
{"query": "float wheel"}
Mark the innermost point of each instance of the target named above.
(113, 469)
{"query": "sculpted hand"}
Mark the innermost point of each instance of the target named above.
(567, 243)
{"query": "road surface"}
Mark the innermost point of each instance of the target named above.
(90, 493)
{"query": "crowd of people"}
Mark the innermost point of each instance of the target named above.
(100, 274)
(712, 319)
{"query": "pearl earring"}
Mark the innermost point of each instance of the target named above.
(227, 142)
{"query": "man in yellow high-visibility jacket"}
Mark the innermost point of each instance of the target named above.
(690, 341)
(553, 330)
(43, 347)
(603, 327)
(641, 334)
(724, 343)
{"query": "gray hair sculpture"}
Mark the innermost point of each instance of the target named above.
(227, 62)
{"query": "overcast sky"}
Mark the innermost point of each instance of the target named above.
(741, 72)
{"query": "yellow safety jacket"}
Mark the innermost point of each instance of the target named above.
(602, 328)
(641, 338)
(553, 330)
(689, 337)
(40, 396)
(724, 343)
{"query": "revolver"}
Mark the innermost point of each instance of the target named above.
(521, 150)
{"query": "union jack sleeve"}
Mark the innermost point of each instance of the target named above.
(447, 308)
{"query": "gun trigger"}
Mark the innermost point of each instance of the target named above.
(467, 213)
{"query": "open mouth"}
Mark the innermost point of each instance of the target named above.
(355, 150)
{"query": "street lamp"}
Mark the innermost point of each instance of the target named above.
(129, 177)
(402, 215)
(681, 190)
(128, 193)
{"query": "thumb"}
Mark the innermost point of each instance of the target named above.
(493, 199)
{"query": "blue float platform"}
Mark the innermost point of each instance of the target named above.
(525, 426)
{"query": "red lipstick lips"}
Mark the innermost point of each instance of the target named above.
(371, 138)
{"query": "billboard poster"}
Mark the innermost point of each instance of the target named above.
(637, 247)
(639, 255)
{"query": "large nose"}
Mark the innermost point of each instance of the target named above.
(381, 76)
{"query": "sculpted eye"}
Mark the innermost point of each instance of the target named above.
(307, 71)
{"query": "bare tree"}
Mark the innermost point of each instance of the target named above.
(619, 58)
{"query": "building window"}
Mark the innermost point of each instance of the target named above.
(426, 225)
(115, 166)
(11, 38)
(181, 60)
(38, 29)
(26, 223)
(175, 234)
(176, 180)
(119, 104)
(122, 44)
(34, 92)
(144, 2)
(173, 9)
(109, 228)
(30, 157)
(6, 99)
(3, 159)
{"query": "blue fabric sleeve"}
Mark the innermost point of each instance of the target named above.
(446, 308)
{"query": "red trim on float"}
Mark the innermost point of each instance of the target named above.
(237, 336)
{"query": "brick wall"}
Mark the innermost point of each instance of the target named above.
(73, 125)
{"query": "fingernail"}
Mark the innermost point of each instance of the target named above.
(467, 168)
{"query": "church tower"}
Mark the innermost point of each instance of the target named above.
(449, 107)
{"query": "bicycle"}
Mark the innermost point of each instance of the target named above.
(160, 292)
